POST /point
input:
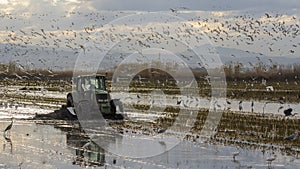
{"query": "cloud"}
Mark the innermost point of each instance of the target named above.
(204, 5)
(3, 2)
(15, 6)
(37, 6)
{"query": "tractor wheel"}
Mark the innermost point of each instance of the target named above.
(119, 117)
(114, 104)
(113, 108)
(119, 104)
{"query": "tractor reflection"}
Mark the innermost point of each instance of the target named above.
(87, 153)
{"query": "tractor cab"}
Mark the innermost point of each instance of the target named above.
(92, 88)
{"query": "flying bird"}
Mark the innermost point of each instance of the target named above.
(178, 102)
(292, 137)
(281, 107)
(82, 47)
(268, 15)
(173, 10)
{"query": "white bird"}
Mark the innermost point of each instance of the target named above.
(270, 88)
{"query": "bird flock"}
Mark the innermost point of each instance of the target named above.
(37, 41)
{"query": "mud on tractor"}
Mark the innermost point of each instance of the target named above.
(92, 89)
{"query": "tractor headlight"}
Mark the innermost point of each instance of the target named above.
(102, 98)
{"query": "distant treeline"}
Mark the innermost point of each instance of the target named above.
(233, 72)
(236, 71)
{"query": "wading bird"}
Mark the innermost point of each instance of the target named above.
(252, 106)
(240, 105)
(8, 127)
(270, 160)
(234, 154)
(265, 107)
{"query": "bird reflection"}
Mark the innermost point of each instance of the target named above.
(7, 137)
(269, 161)
(8, 140)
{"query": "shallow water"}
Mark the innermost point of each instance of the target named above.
(57, 144)
(32, 145)
(162, 101)
(155, 99)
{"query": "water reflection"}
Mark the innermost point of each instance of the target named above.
(185, 155)
(9, 142)
(87, 152)
(37, 144)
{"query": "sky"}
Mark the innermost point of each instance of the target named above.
(52, 32)
(153, 5)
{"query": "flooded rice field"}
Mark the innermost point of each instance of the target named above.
(36, 144)
(129, 85)
(251, 134)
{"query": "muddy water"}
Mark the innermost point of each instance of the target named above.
(58, 144)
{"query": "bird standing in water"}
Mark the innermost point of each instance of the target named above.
(234, 154)
(270, 160)
(240, 105)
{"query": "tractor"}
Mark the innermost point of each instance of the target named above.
(92, 89)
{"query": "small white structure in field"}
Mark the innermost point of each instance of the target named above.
(264, 82)
(270, 88)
